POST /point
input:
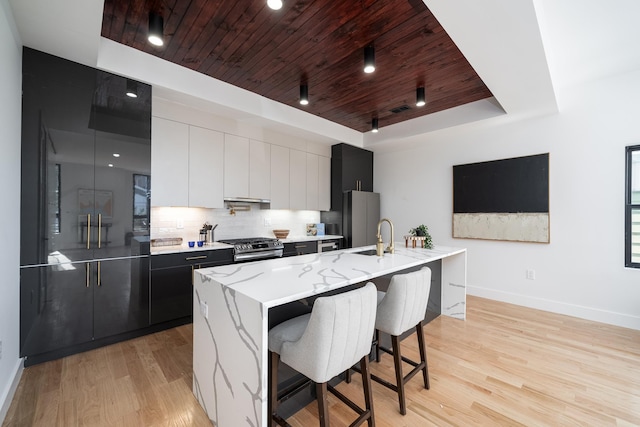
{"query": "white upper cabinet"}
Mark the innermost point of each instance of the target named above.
(236, 166)
(169, 163)
(312, 182)
(206, 165)
(279, 177)
(297, 179)
(186, 165)
(259, 170)
(324, 183)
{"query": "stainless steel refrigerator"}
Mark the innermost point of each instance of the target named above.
(361, 213)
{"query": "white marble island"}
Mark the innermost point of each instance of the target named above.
(230, 319)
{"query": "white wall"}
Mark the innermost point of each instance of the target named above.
(10, 108)
(581, 272)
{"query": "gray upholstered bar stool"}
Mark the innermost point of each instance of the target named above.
(401, 308)
(320, 345)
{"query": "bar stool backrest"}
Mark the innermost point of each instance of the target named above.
(405, 302)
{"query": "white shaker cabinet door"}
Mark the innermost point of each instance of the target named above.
(279, 177)
(236, 166)
(297, 179)
(169, 163)
(259, 170)
(206, 165)
(312, 182)
(324, 183)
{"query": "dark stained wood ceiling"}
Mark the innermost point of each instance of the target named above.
(317, 42)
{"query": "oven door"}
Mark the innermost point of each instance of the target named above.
(257, 255)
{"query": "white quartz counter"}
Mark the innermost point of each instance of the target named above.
(279, 281)
(157, 250)
(231, 316)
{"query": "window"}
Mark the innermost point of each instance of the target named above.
(141, 203)
(632, 208)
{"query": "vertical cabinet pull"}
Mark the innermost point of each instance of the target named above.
(99, 280)
(88, 231)
(87, 270)
(99, 235)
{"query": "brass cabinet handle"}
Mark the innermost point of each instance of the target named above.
(88, 231)
(99, 235)
(87, 270)
(191, 258)
(99, 281)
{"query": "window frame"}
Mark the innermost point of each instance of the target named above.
(629, 206)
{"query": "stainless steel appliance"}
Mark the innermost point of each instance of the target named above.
(328, 245)
(254, 248)
(360, 218)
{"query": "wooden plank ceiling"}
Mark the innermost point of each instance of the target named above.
(317, 42)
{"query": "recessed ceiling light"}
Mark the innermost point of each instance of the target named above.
(110, 165)
(116, 154)
(274, 4)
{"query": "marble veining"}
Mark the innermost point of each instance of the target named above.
(231, 305)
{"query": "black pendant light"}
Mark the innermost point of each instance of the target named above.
(374, 125)
(132, 89)
(156, 29)
(369, 59)
(304, 94)
(420, 98)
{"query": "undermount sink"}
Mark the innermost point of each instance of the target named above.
(366, 252)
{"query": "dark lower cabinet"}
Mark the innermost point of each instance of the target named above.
(300, 248)
(171, 287)
(71, 304)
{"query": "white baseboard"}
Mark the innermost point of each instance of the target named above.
(7, 396)
(582, 312)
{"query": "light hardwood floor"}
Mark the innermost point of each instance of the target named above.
(506, 365)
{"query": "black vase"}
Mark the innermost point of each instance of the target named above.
(420, 233)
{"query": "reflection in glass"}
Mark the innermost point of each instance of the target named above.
(141, 202)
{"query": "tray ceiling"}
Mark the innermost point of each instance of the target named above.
(319, 43)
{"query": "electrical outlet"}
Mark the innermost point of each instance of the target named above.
(531, 274)
(180, 223)
(267, 222)
(204, 309)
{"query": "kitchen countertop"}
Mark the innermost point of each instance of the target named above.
(159, 250)
(231, 316)
(278, 281)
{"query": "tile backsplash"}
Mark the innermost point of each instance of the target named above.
(187, 222)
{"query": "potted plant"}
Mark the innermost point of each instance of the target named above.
(423, 230)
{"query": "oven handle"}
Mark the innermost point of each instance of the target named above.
(257, 255)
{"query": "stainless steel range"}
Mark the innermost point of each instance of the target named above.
(254, 248)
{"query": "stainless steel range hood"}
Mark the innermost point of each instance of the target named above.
(246, 200)
(236, 204)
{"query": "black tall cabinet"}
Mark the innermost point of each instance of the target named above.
(351, 170)
(86, 161)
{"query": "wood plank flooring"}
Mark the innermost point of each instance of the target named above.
(506, 365)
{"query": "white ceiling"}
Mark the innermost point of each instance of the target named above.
(524, 50)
